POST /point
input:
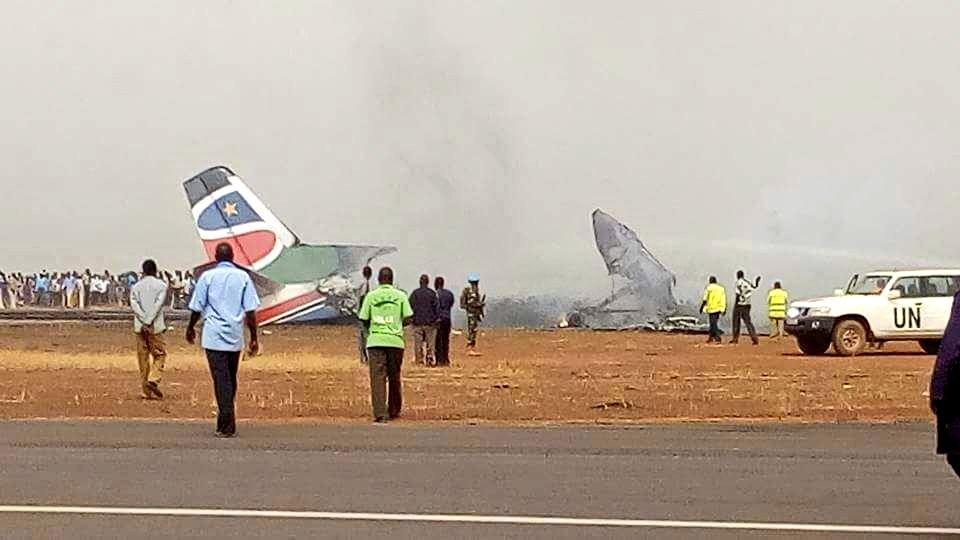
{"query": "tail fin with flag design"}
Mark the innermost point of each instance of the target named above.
(226, 210)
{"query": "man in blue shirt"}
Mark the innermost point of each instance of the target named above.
(446, 300)
(42, 288)
(225, 297)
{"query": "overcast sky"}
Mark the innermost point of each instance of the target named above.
(800, 140)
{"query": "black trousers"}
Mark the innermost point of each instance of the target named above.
(386, 391)
(742, 313)
(714, 327)
(954, 461)
(442, 349)
(223, 369)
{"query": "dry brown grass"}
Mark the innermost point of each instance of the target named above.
(525, 376)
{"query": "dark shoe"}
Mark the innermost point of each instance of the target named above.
(155, 390)
(379, 420)
(221, 435)
(394, 416)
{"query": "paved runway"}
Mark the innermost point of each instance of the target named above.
(861, 475)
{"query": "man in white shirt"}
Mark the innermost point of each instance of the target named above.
(94, 292)
(741, 309)
(146, 300)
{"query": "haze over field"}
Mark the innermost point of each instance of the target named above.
(800, 140)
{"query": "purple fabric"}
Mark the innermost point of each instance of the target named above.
(944, 384)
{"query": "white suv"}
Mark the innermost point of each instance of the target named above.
(897, 305)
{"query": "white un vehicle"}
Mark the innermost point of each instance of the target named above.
(908, 305)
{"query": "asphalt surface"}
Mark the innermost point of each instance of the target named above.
(823, 474)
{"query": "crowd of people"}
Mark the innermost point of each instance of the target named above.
(226, 300)
(386, 310)
(431, 322)
(84, 290)
(714, 305)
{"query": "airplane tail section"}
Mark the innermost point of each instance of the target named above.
(265, 286)
(226, 210)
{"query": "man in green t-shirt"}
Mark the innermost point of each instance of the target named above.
(385, 311)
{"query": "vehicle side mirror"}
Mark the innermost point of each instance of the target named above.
(894, 294)
(839, 292)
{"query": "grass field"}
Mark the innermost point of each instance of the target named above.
(86, 370)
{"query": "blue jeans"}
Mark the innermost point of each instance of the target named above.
(714, 328)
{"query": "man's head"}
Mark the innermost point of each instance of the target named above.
(739, 274)
(713, 280)
(386, 276)
(777, 285)
(439, 283)
(424, 280)
(367, 272)
(473, 279)
(224, 252)
(150, 268)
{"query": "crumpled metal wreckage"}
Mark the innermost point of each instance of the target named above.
(642, 293)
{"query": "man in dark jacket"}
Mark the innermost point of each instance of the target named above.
(425, 313)
(444, 325)
(945, 390)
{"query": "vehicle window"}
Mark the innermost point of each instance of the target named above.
(909, 287)
(940, 285)
(870, 285)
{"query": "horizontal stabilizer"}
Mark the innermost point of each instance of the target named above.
(265, 286)
(354, 257)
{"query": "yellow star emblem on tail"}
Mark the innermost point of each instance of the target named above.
(230, 209)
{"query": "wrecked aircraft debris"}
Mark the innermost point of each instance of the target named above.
(297, 282)
(642, 292)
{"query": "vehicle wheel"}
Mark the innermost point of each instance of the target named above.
(813, 346)
(930, 346)
(849, 338)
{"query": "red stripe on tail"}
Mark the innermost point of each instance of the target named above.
(248, 248)
(275, 310)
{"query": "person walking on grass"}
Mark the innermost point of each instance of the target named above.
(777, 300)
(714, 305)
(741, 308)
(362, 291)
(225, 297)
(146, 302)
(445, 300)
(425, 314)
(385, 311)
(474, 303)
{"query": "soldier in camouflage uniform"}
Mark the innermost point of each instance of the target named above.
(473, 303)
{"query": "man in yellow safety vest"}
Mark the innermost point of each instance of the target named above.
(777, 304)
(714, 305)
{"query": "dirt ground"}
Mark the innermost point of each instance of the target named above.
(83, 370)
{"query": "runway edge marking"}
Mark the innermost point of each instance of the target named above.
(478, 519)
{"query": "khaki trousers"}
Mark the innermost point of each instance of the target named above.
(776, 328)
(152, 355)
(424, 340)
